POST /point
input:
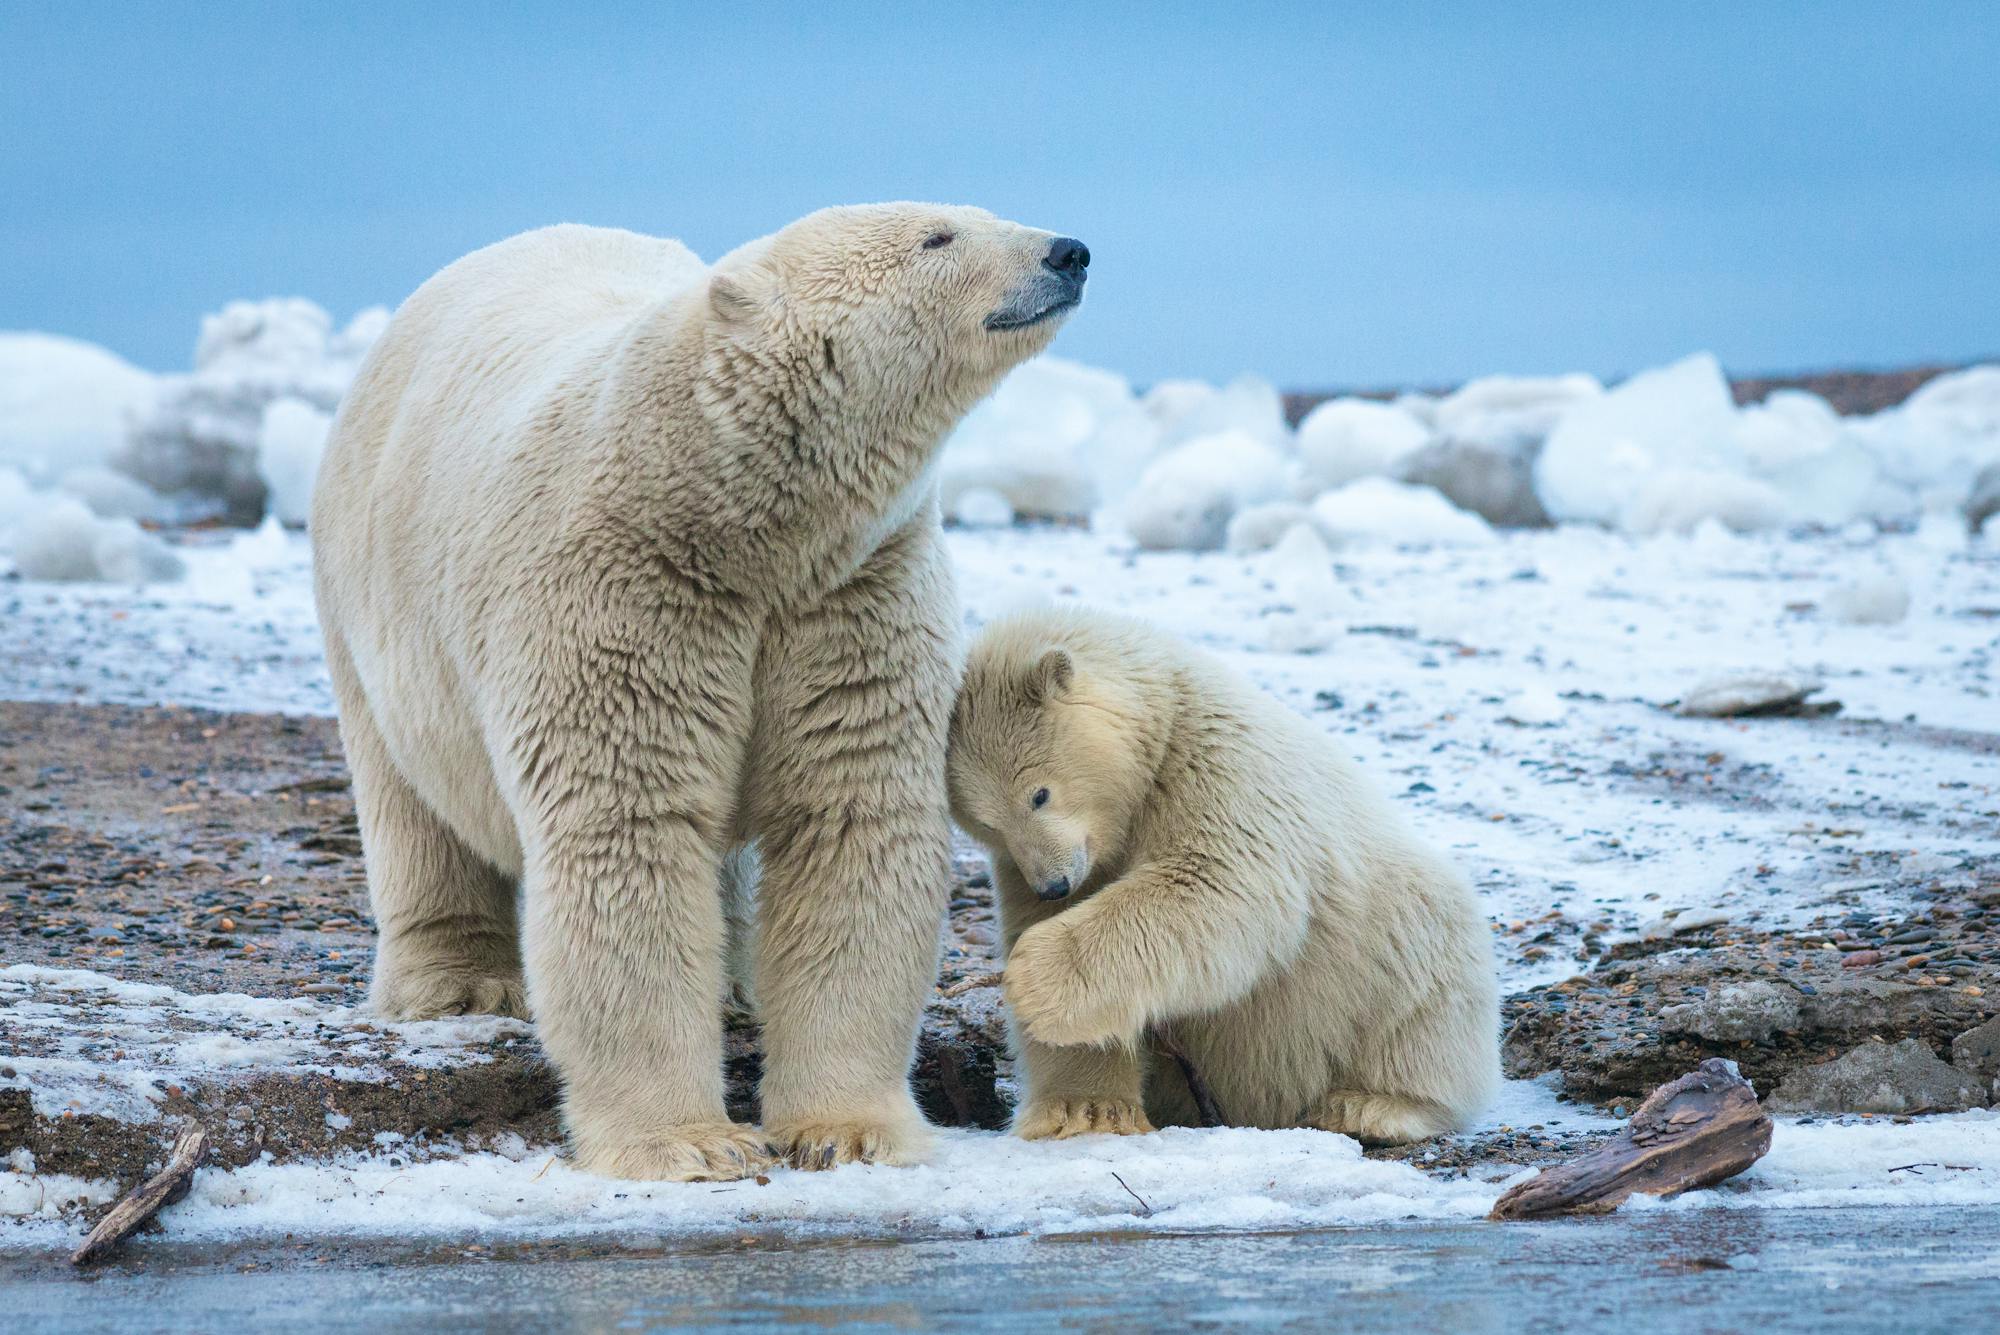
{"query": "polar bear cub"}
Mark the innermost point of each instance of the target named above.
(1174, 847)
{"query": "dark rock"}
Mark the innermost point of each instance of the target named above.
(1904, 1077)
(1977, 1053)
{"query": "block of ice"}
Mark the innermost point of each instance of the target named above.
(64, 404)
(1186, 409)
(1511, 412)
(1057, 439)
(63, 540)
(1677, 500)
(1603, 449)
(1186, 497)
(1344, 439)
(289, 446)
(112, 495)
(1379, 510)
(1258, 528)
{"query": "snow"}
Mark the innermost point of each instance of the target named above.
(157, 1036)
(1510, 413)
(64, 404)
(1870, 600)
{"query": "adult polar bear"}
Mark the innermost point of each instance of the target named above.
(623, 561)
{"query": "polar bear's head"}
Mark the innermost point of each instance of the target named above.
(1052, 751)
(896, 303)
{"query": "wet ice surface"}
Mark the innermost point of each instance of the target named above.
(1511, 694)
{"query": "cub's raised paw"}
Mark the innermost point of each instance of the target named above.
(814, 1145)
(433, 994)
(699, 1152)
(1381, 1119)
(1059, 1119)
(1052, 999)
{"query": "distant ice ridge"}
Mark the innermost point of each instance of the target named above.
(92, 447)
(1190, 466)
(1186, 465)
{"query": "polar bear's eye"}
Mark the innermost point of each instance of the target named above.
(1040, 799)
(937, 240)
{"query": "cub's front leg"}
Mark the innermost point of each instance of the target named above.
(1169, 938)
(1067, 1091)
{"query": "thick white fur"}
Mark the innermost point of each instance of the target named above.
(1238, 880)
(624, 562)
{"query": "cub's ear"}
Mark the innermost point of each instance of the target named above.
(740, 296)
(1051, 675)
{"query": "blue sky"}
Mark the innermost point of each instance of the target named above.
(1327, 194)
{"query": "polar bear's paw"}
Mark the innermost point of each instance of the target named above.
(698, 1152)
(1382, 1119)
(1059, 1119)
(432, 994)
(828, 1144)
(1054, 1001)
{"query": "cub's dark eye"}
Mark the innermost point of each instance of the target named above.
(937, 240)
(1040, 799)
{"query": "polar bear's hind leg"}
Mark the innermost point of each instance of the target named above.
(448, 935)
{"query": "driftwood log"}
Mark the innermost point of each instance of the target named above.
(1689, 1133)
(147, 1199)
(1204, 1098)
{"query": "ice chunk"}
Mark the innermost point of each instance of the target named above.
(64, 404)
(1677, 500)
(1508, 412)
(65, 541)
(1604, 449)
(1188, 495)
(1875, 600)
(1344, 439)
(1186, 409)
(1497, 484)
(1376, 508)
(1056, 439)
(1937, 442)
(1535, 707)
(982, 507)
(202, 436)
(289, 447)
(1317, 607)
(113, 495)
(1258, 528)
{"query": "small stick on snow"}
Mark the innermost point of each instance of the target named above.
(1145, 1210)
(147, 1199)
(1692, 1132)
(964, 985)
(1204, 1097)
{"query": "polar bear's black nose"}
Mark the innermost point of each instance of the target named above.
(1054, 888)
(1067, 255)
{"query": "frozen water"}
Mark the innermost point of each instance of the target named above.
(64, 404)
(982, 507)
(1257, 528)
(289, 447)
(1344, 439)
(1678, 500)
(1057, 439)
(1185, 409)
(112, 495)
(1379, 510)
(1186, 498)
(64, 541)
(1510, 413)
(1604, 449)
(202, 435)
(1871, 600)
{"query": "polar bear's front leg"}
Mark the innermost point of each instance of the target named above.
(848, 801)
(1066, 1091)
(627, 759)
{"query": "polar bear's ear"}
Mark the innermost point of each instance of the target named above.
(740, 296)
(1051, 675)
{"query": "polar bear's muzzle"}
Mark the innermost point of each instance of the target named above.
(1053, 291)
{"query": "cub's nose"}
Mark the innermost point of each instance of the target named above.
(1068, 256)
(1056, 888)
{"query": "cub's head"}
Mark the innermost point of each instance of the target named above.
(1050, 756)
(901, 301)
